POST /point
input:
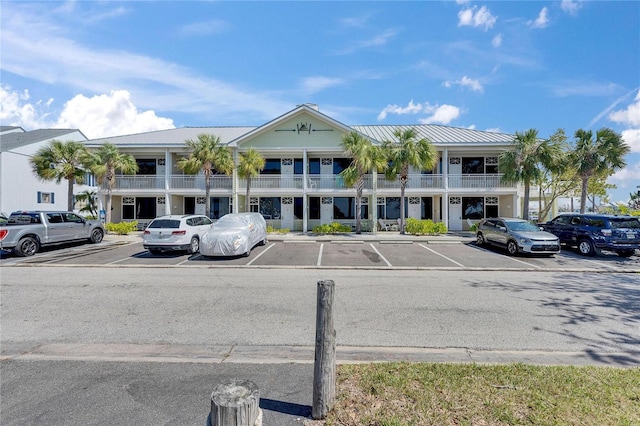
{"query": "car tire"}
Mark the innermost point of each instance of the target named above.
(626, 253)
(586, 248)
(263, 242)
(480, 240)
(247, 253)
(194, 245)
(96, 236)
(27, 246)
(512, 248)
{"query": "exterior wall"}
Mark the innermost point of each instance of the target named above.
(19, 185)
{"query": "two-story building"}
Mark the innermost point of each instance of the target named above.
(300, 186)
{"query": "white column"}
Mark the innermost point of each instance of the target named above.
(445, 182)
(305, 198)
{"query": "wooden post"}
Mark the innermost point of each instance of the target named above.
(236, 403)
(324, 372)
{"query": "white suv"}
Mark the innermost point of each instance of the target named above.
(175, 233)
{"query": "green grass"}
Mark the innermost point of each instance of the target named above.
(399, 394)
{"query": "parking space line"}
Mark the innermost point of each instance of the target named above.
(524, 263)
(442, 255)
(319, 263)
(599, 264)
(381, 256)
(258, 256)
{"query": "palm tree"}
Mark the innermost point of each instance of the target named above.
(60, 160)
(599, 157)
(251, 163)
(103, 163)
(89, 197)
(206, 154)
(407, 150)
(364, 157)
(526, 161)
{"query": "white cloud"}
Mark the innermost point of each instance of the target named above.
(375, 41)
(411, 108)
(630, 175)
(442, 114)
(497, 41)
(629, 116)
(472, 84)
(542, 21)
(98, 116)
(212, 26)
(632, 138)
(570, 6)
(311, 85)
(475, 17)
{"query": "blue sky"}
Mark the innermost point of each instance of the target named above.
(113, 68)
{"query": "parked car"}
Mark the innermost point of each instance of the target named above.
(517, 236)
(27, 231)
(591, 232)
(175, 233)
(234, 234)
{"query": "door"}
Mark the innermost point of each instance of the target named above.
(455, 213)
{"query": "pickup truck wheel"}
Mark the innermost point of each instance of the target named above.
(586, 248)
(96, 236)
(27, 246)
(512, 248)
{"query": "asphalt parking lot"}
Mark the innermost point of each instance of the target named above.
(352, 254)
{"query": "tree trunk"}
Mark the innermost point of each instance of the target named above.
(236, 403)
(583, 196)
(207, 191)
(525, 209)
(247, 204)
(359, 207)
(70, 194)
(324, 371)
(403, 184)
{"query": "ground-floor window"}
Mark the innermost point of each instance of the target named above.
(139, 208)
(389, 208)
(219, 206)
(270, 207)
(298, 208)
(479, 207)
(345, 208)
(314, 207)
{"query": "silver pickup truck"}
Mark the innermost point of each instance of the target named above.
(26, 231)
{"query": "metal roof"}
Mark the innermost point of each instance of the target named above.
(13, 140)
(172, 137)
(437, 134)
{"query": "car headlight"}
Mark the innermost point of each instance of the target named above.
(524, 240)
(237, 242)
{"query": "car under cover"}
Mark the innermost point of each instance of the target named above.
(234, 234)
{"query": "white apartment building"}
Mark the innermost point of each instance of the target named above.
(300, 186)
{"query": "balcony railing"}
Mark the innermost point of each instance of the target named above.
(478, 181)
(415, 181)
(137, 182)
(197, 182)
(315, 183)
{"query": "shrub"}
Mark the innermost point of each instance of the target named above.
(424, 227)
(122, 228)
(332, 228)
(272, 230)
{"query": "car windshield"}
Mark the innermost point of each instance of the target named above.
(165, 223)
(522, 226)
(230, 222)
(630, 223)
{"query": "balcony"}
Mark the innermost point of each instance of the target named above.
(415, 181)
(479, 181)
(324, 182)
(273, 182)
(196, 182)
(137, 182)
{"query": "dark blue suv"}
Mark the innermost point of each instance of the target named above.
(593, 232)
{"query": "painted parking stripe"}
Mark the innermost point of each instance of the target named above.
(319, 262)
(442, 255)
(381, 256)
(258, 256)
(599, 263)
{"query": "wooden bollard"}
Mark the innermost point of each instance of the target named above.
(236, 403)
(324, 371)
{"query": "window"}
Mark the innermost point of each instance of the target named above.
(54, 218)
(391, 208)
(297, 166)
(345, 208)
(297, 208)
(314, 207)
(270, 207)
(472, 165)
(271, 167)
(314, 167)
(45, 198)
(219, 206)
(146, 166)
(72, 217)
(426, 208)
(472, 207)
(339, 164)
